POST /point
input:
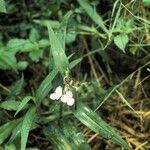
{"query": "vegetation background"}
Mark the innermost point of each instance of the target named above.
(97, 48)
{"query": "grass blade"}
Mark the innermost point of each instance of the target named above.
(61, 32)
(67, 137)
(59, 56)
(26, 126)
(10, 105)
(124, 100)
(23, 103)
(93, 14)
(45, 86)
(6, 129)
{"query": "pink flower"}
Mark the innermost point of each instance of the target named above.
(57, 94)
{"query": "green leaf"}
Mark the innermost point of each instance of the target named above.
(93, 14)
(57, 139)
(97, 124)
(45, 86)
(75, 62)
(23, 103)
(75, 137)
(16, 45)
(59, 56)
(10, 105)
(53, 23)
(124, 100)
(146, 3)
(61, 32)
(5, 130)
(26, 126)
(66, 137)
(7, 60)
(121, 41)
(15, 132)
(34, 35)
(43, 43)
(2, 6)
(10, 147)
(22, 65)
(16, 88)
(36, 54)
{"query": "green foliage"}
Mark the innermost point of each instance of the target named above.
(93, 14)
(67, 138)
(45, 86)
(146, 2)
(7, 60)
(44, 41)
(60, 58)
(97, 124)
(10, 105)
(2, 6)
(6, 129)
(25, 100)
(26, 126)
(121, 41)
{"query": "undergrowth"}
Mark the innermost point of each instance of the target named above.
(74, 75)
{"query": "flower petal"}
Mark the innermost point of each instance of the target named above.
(70, 101)
(64, 98)
(53, 96)
(58, 91)
(69, 94)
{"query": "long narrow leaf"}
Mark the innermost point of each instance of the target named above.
(59, 56)
(45, 86)
(26, 126)
(6, 129)
(97, 124)
(23, 103)
(93, 14)
(10, 105)
(61, 32)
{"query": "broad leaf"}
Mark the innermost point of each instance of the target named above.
(7, 60)
(17, 45)
(121, 41)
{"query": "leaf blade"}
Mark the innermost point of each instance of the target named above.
(121, 41)
(26, 125)
(97, 124)
(59, 56)
(93, 14)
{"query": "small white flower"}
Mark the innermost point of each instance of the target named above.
(65, 98)
(57, 94)
(68, 98)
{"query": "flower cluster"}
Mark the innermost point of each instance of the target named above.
(66, 97)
